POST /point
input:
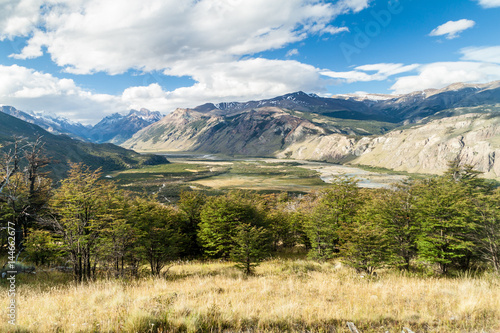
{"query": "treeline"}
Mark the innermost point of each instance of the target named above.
(451, 222)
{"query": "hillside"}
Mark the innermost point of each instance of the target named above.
(63, 149)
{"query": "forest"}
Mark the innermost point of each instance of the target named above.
(86, 225)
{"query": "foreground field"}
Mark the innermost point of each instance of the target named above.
(284, 295)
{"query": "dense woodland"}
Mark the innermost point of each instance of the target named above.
(437, 225)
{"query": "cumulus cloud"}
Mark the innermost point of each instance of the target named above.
(88, 36)
(28, 90)
(211, 41)
(243, 80)
(441, 74)
(361, 73)
(18, 17)
(489, 3)
(452, 29)
(249, 79)
(484, 54)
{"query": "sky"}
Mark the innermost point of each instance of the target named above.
(85, 59)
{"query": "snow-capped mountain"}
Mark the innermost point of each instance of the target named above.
(118, 128)
(51, 123)
(115, 128)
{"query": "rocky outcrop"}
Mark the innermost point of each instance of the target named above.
(427, 148)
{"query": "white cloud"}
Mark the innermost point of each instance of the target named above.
(291, 53)
(382, 72)
(87, 36)
(452, 29)
(354, 5)
(18, 17)
(484, 54)
(489, 3)
(28, 90)
(211, 41)
(249, 79)
(441, 74)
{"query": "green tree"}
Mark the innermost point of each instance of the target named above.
(220, 218)
(335, 208)
(251, 246)
(78, 206)
(397, 211)
(118, 240)
(282, 227)
(446, 218)
(487, 237)
(467, 175)
(366, 243)
(191, 203)
(42, 247)
(160, 240)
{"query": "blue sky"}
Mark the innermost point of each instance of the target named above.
(84, 59)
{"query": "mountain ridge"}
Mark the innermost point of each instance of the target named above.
(115, 128)
(62, 149)
(304, 126)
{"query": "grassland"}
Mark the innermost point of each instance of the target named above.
(294, 295)
(256, 175)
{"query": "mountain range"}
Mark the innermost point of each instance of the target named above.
(115, 128)
(417, 132)
(63, 150)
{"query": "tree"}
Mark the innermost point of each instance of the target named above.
(335, 209)
(397, 211)
(191, 203)
(24, 188)
(446, 218)
(9, 165)
(487, 236)
(366, 243)
(220, 218)
(118, 241)
(42, 247)
(160, 240)
(468, 176)
(250, 247)
(78, 206)
(282, 227)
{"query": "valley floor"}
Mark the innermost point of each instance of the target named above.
(216, 173)
(285, 295)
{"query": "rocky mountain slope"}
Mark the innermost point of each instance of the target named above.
(471, 134)
(418, 132)
(417, 105)
(258, 132)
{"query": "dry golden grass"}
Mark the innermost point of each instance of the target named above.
(284, 295)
